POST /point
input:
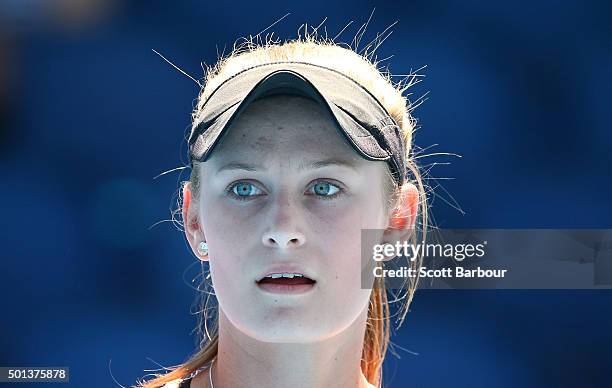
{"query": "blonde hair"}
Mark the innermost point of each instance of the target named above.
(323, 52)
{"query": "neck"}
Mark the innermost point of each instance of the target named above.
(243, 361)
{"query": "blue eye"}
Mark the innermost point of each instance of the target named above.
(325, 189)
(244, 190)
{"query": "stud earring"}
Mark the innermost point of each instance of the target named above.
(203, 248)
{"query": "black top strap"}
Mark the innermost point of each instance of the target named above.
(186, 383)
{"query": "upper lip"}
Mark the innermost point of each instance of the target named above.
(286, 268)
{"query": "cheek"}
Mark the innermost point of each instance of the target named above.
(224, 226)
(334, 222)
(226, 219)
(338, 233)
(353, 216)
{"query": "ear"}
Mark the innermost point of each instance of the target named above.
(402, 220)
(191, 221)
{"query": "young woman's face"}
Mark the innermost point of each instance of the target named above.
(266, 199)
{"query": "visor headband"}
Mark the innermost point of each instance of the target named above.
(358, 115)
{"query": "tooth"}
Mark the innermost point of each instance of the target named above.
(284, 275)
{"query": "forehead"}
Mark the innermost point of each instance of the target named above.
(284, 126)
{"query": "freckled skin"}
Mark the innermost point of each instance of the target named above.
(263, 143)
(279, 132)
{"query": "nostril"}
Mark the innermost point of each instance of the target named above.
(282, 241)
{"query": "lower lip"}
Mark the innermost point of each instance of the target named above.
(285, 288)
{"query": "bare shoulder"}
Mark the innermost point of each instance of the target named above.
(173, 384)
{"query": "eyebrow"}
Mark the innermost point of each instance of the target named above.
(304, 165)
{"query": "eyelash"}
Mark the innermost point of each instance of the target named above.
(230, 191)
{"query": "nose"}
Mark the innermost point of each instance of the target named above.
(284, 230)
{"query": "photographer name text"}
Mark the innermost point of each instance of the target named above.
(424, 272)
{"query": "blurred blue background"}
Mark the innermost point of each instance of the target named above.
(89, 115)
